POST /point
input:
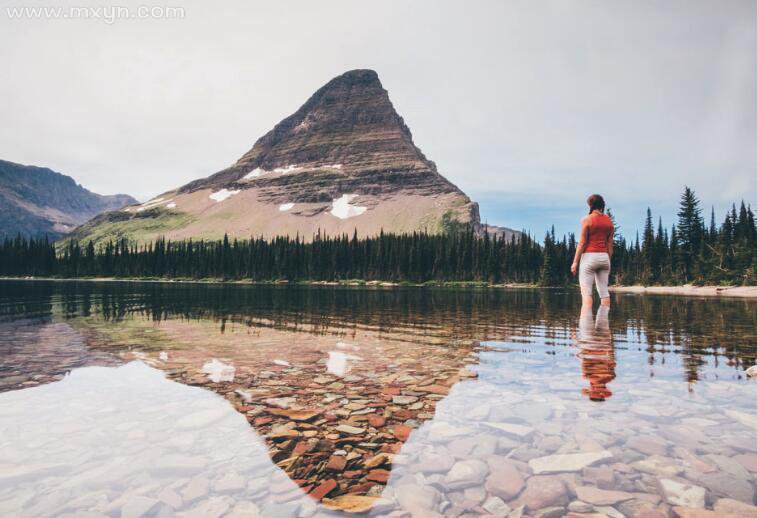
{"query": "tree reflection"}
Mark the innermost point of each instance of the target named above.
(699, 330)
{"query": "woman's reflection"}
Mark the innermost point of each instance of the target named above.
(596, 352)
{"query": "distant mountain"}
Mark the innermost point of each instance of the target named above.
(344, 162)
(35, 201)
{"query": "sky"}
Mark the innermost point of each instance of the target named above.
(527, 106)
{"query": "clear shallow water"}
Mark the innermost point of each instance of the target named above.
(216, 400)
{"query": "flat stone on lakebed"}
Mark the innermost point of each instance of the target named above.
(567, 462)
(352, 430)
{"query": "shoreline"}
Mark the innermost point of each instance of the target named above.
(350, 282)
(687, 290)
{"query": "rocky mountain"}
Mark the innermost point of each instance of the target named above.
(35, 201)
(344, 161)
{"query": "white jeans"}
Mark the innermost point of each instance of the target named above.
(594, 267)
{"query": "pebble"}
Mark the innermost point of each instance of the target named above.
(351, 503)
(648, 445)
(515, 430)
(550, 512)
(336, 463)
(567, 462)
(596, 496)
(417, 500)
(351, 430)
(689, 512)
(724, 484)
(544, 491)
(229, 483)
(680, 494)
(466, 473)
(433, 462)
(748, 460)
(213, 507)
(580, 507)
(378, 475)
(603, 477)
(657, 465)
(138, 506)
(171, 498)
(504, 479)
(402, 432)
(496, 507)
(197, 488)
(323, 489)
(244, 510)
(743, 418)
(730, 506)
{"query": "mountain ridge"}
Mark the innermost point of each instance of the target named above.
(35, 201)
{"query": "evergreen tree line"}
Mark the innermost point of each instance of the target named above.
(692, 251)
(689, 252)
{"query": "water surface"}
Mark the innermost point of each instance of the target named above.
(221, 400)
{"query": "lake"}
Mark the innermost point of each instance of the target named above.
(167, 399)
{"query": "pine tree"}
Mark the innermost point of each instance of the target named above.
(690, 231)
(649, 250)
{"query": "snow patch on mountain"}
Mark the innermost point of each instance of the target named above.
(285, 206)
(286, 169)
(342, 209)
(255, 173)
(221, 195)
(151, 204)
(259, 171)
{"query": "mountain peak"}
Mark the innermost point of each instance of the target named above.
(344, 162)
(349, 120)
(358, 75)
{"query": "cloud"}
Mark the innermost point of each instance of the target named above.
(551, 100)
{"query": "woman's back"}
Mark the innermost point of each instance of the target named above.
(600, 230)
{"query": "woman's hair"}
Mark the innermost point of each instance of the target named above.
(596, 202)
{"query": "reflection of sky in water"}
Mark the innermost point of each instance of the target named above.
(126, 440)
(130, 441)
(338, 363)
(218, 371)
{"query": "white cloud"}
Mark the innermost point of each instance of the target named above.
(546, 98)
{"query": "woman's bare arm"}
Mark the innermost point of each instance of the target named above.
(610, 243)
(582, 241)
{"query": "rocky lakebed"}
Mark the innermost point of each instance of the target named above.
(268, 404)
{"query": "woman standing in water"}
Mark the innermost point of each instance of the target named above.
(592, 261)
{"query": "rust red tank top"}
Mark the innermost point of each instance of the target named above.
(600, 229)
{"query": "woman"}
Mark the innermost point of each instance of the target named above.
(592, 261)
